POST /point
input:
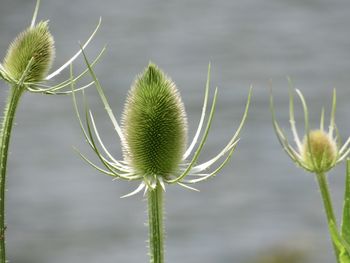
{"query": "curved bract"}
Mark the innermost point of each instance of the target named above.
(154, 124)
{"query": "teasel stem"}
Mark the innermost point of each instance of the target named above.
(155, 221)
(8, 119)
(327, 203)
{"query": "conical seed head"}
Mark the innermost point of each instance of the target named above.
(154, 124)
(36, 43)
(319, 151)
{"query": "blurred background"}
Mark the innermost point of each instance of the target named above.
(260, 209)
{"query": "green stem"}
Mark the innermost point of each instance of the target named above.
(327, 203)
(5, 134)
(155, 221)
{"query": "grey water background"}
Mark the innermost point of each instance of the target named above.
(61, 210)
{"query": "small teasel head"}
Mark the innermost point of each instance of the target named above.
(154, 124)
(30, 56)
(31, 53)
(319, 151)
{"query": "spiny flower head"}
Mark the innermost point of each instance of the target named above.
(154, 124)
(32, 52)
(153, 135)
(30, 56)
(319, 151)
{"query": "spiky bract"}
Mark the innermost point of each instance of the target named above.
(34, 44)
(319, 151)
(154, 124)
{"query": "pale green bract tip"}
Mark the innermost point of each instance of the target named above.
(154, 124)
(32, 53)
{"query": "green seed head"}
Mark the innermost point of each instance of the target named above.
(154, 124)
(319, 151)
(36, 43)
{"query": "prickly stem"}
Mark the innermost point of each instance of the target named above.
(155, 221)
(5, 134)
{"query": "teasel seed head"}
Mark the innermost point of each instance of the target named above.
(34, 43)
(154, 124)
(319, 151)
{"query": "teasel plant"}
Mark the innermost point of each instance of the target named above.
(318, 152)
(153, 136)
(26, 69)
